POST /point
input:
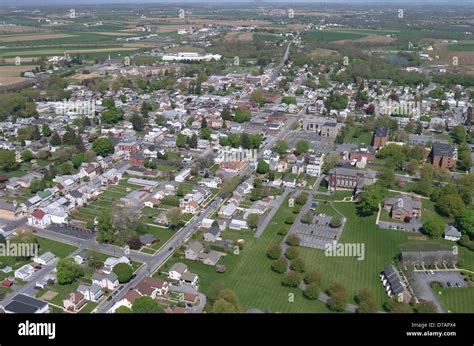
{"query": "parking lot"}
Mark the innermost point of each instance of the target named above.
(412, 226)
(317, 234)
(73, 231)
(423, 279)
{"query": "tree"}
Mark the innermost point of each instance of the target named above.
(253, 220)
(160, 120)
(77, 160)
(274, 251)
(37, 185)
(146, 305)
(105, 231)
(387, 177)
(426, 307)
(46, 130)
(465, 222)
(280, 265)
(7, 160)
(395, 306)
(124, 272)
(369, 202)
(302, 146)
(297, 265)
(205, 134)
(336, 221)
(464, 161)
(103, 146)
(27, 155)
(262, 167)
(245, 142)
(459, 134)
(337, 302)
(68, 271)
(281, 147)
(55, 139)
(290, 219)
(292, 252)
(242, 115)
(302, 198)
(257, 97)
(289, 100)
(450, 204)
(227, 302)
(228, 186)
(174, 217)
(193, 140)
(434, 226)
(366, 301)
(203, 123)
(180, 140)
(308, 217)
(137, 122)
(312, 291)
(293, 240)
(313, 277)
(291, 279)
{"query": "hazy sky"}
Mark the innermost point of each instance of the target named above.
(99, 2)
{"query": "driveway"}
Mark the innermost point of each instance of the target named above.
(196, 309)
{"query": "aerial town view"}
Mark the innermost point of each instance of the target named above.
(236, 157)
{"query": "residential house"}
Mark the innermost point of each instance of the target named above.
(349, 178)
(24, 272)
(91, 292)
(212, 234)
(193, 249)
(451, 233)
(75, 302)
(107, 281)
(45, 259)
(39, 218)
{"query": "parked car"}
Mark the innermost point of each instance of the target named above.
(448, 284)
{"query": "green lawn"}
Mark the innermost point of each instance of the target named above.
(459, 300)
(250, 276)
(381, 246)
(61, 250)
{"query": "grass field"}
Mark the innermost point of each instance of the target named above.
(461, 47)
(250, 276)
(329, 36)
(380, 249)
(460, 300)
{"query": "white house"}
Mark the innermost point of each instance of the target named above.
(92, 293)
(111, 262)
(24, 272)
(177, 270)
(45, 259)
(39, 218)
(108, 281)
(181, 176)
(451, 233)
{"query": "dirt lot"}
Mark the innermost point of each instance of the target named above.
(85, 76)
(369, 39)
(238, 36)
(14, 71)
(5, 81)
(48, 295)
(71, 51)
(14, 38)
(19, 28)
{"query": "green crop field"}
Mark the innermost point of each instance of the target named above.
(461, 47)
(328, 36)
